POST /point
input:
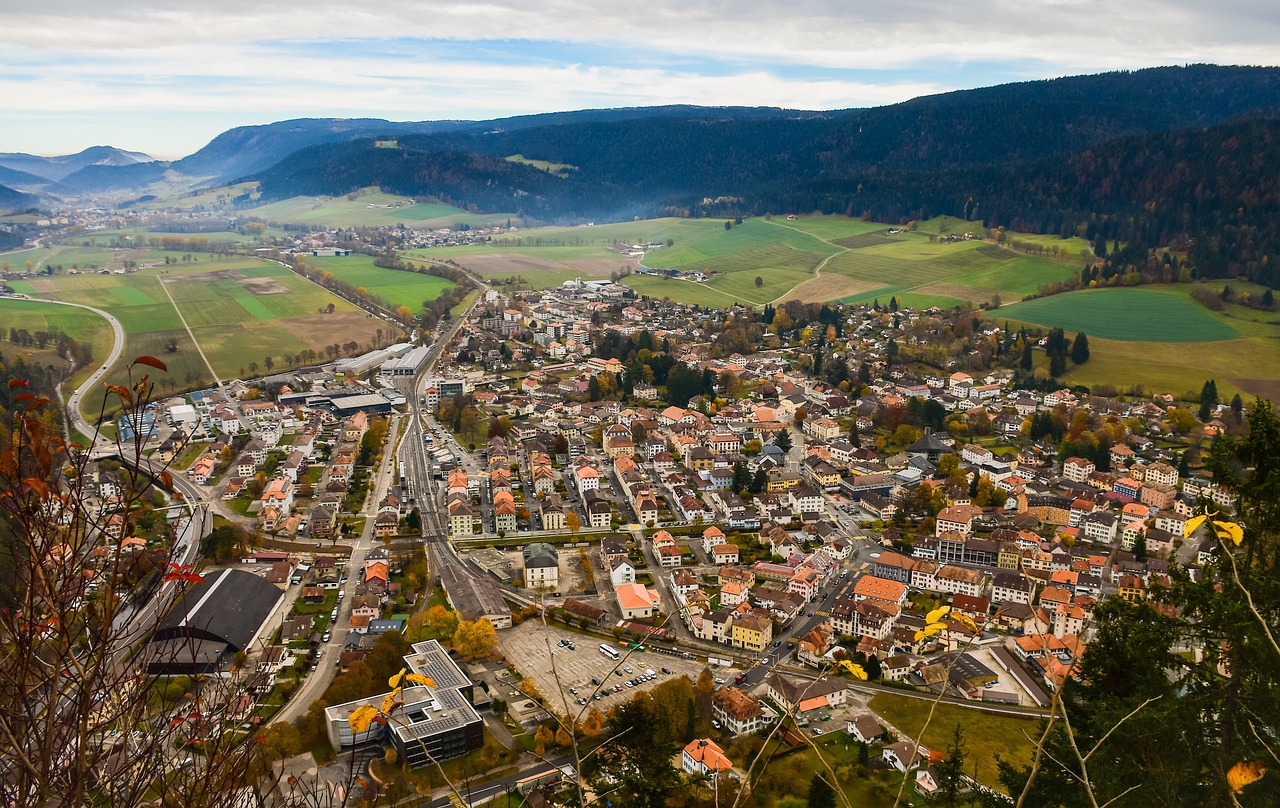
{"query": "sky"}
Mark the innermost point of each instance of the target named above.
(166, 77)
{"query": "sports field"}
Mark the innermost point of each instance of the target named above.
(241, 311)
(393, 286)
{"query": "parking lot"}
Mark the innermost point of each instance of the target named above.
(533, 649)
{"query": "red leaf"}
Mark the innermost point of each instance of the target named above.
(173, 722)
(18, 383)
(24, 397)
(151, 361)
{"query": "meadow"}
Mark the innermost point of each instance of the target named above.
(242, 312)
(369, 208)
(34, 315)
(1158, 338)
(393, 286)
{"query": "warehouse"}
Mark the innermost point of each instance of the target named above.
(211, 622)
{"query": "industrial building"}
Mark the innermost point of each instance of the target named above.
(212, 622)
(434, 722)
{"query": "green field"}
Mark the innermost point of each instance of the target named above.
(1138, 315)
(987, 734)
(241, 311)
(371, 208)
(395, 287)
(35, 315)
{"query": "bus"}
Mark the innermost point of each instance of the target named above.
(612, 653)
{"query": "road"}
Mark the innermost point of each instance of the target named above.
(91, 383)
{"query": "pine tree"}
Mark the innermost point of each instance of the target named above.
(1080, 349)
(1208, 399)
(950, 770)
(821, 794)
(1057, 364)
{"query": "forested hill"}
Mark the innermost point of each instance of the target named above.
(15, 200)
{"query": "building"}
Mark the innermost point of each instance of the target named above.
(803, 695)
(636, 601)
(541, 566)
(739, 712)
(223, 615)
(434, 722)
(704, 756)
(752, 633)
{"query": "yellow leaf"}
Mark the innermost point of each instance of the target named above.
(857, 671)
(1229, 530)
(362, 717)
(937, 614)
(394, 681)
(419, 679)
(1193, 524)
(966, 622)
(387, 701)
(920, 635)
(1242, 774)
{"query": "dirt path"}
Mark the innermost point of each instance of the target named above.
(817, 270)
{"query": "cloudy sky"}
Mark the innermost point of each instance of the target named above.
(166, 77)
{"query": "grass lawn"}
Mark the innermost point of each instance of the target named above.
(395, 287)
(791, 774)
(987, 734)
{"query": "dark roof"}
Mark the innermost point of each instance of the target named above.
(230, 606)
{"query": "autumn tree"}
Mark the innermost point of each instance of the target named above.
(435, 623)
(475, 639)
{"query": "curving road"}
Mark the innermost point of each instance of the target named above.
(117, 348)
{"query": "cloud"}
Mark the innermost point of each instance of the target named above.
(424, 59)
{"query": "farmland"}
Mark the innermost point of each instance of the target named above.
(369, 208)
(1137, 315)
(393, 286)
(1160, 339)
(241, 311)
(79, 324)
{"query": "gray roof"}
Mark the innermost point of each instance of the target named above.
(230, 606)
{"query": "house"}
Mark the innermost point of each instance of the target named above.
(752, 633)
(704, 756)
(865, 729)
(723, 554)
(804, 695)
(869, 587)
(621, 571)
(636, 601)
(904, 755)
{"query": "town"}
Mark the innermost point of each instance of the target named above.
(771, 501)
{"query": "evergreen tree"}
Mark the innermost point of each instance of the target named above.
(1208, 399)
(758, 482)
(741, 477)
(1080, 349)
(1268, 299)
(893, 303)
(821, 794)
(1026, 363)
(950, 771)
(1237, 407)
(1057, 364)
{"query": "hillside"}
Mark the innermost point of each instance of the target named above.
(55, 168)
(15, 200)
